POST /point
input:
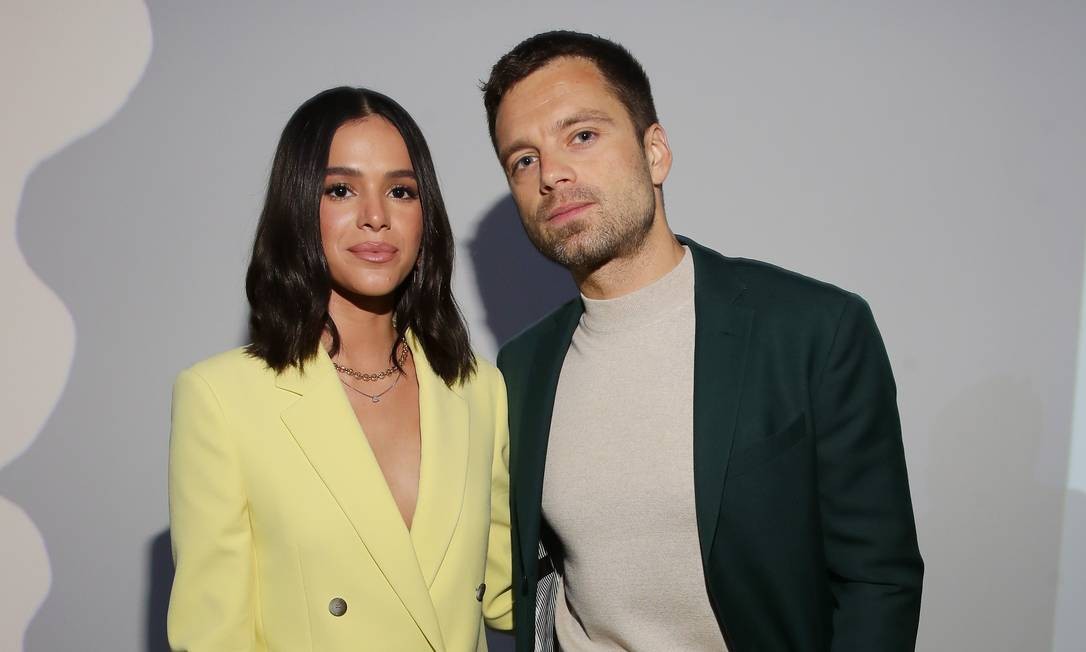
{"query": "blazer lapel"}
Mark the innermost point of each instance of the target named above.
(721, 334)
(325, 427)
(529, 452)
(444, 419)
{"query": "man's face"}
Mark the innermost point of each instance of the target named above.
(576, 168)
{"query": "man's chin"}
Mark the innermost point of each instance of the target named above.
(580, 256)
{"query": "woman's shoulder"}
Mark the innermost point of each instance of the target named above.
(485, 383)
(233, 367)
(485, 371)
(485, 368)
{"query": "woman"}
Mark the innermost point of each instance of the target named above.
(336, 484)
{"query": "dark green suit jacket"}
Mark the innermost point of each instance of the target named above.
(801, 495)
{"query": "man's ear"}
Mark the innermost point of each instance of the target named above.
(657, 153)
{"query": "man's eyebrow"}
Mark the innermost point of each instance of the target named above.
(338, 170)
(587, 115)
(582, 116)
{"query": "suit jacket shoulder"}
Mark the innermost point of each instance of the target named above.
(484, 387)
(231, 366)
(788, 305)
(767, 284)
(517, 353)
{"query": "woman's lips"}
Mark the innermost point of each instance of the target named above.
(374, 252)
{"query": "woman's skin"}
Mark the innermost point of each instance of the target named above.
(371, 228)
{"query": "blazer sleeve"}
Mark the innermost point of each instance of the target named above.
(498, 598)
(869, 534)
(212, 602)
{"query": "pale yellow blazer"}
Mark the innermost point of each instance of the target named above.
(278, 508)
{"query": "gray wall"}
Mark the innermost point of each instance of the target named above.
(929, 156)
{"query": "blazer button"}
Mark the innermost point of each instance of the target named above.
(337, 607)
(479, 591)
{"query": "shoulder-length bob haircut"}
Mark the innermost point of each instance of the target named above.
(288, 283)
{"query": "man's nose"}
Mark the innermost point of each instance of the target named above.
(553, 172)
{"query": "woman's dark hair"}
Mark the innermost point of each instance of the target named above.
(624, 75)
(288, 283)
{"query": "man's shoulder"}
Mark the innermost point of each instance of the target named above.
(770, 280)
(766, 286)
(517, 353)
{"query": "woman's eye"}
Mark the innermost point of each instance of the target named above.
(584, 136)
(402, 192)
(338, 191)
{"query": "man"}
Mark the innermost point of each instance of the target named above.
(705, 451)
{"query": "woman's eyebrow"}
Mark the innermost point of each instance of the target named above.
(342, 171)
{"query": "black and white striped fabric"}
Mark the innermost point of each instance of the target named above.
(546, 594)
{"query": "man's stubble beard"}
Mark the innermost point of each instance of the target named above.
(610, 230)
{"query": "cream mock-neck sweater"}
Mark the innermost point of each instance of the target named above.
(619, 482)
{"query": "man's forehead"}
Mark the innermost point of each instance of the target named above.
(562, 85)
(559, 76)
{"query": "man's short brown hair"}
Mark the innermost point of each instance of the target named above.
(623, 74)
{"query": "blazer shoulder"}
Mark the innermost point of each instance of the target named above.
(518, 351)
(784, 299)
(235, 367)
(485, 381)
(758, 277)
(484, 369)
(772, 280)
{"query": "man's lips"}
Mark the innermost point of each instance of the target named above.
(567, 211)
(374, 252)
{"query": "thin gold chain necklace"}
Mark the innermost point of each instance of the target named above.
(374, 398)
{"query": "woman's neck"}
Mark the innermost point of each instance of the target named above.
(366, 331)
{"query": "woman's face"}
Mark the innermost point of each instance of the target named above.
(370, 214)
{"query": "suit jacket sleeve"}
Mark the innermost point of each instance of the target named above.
(212, 603)
(498, 598)
(869, 534)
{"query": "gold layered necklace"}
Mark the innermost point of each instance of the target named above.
(374, 398)
(369, 378)
(373, 377)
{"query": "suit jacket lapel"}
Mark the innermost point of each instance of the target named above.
(529, 454)
(444, 419)
(721, 333)
(327, 430)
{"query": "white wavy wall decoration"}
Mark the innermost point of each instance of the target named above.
(66, 68)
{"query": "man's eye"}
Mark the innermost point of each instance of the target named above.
(523, 162)
(338, 191)
(402, 192)
(584, 136)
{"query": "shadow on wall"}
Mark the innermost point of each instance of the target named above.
(499, 641)
(160, 572)
(518, 286)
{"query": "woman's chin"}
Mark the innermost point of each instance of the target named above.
(369, 295)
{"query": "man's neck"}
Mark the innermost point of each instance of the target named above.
(658, 255)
